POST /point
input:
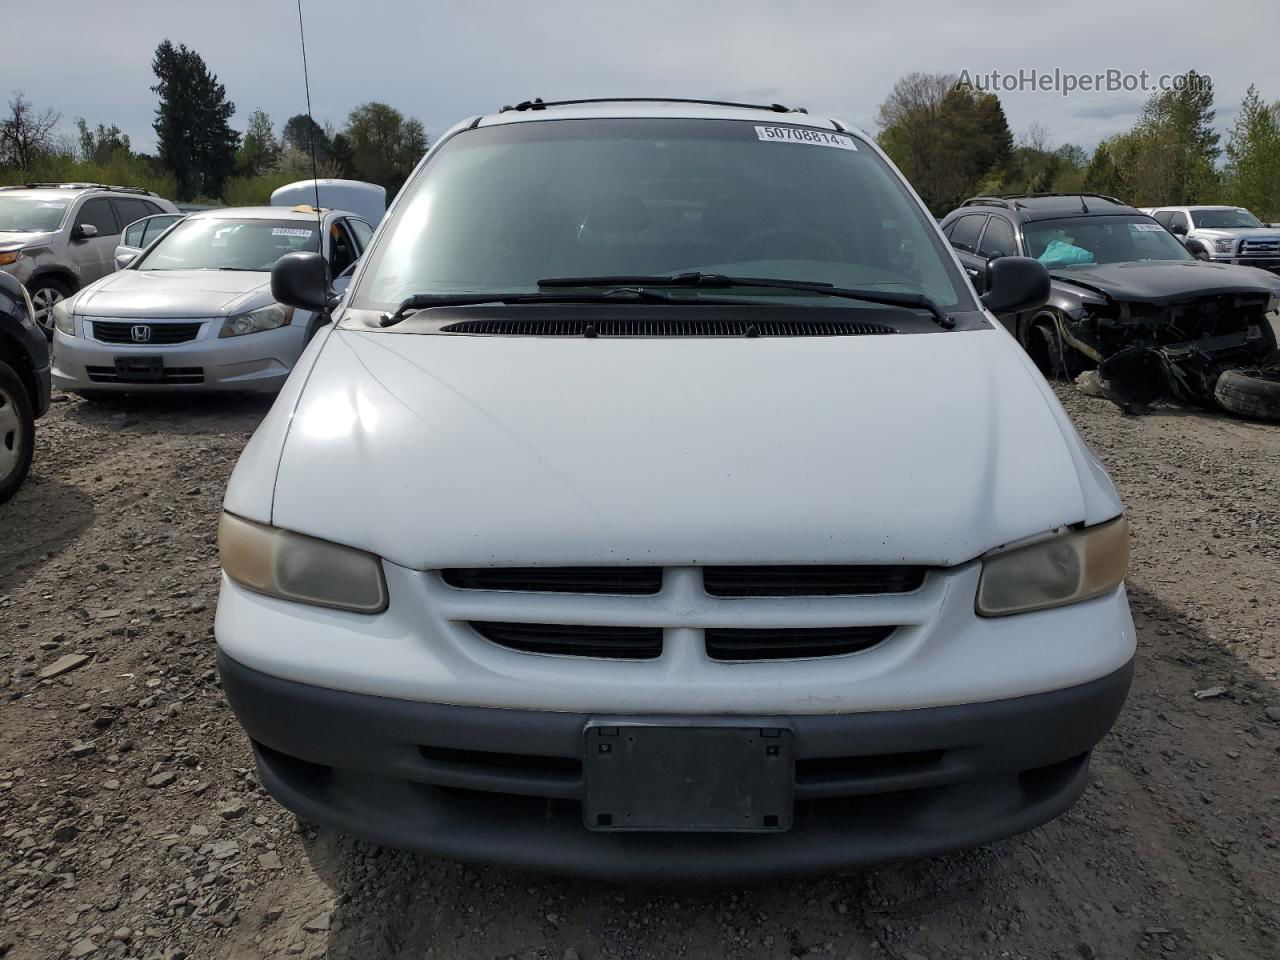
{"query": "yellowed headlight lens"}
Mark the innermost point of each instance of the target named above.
(295, 567)
(9, 257)
(1074, 566)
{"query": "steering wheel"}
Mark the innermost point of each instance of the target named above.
(800, 234)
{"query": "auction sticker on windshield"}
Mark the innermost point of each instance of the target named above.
(817, 138)
(290, 232)
(1147, 227)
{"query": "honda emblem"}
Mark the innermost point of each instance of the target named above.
(141, 333)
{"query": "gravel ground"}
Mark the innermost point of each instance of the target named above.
(131, 822)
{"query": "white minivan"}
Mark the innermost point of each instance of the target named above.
(663, 502)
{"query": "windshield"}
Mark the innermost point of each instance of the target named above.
(1214, 219)
(31, 214)
(220, 243)
(498, 208)
(1091, 240)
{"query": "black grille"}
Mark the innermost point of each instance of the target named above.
(160, 333)
(789, 643)
(624, 643)
(806, 581)
(172, 375)
(633, 581)
(667, 328)
(1260, 248)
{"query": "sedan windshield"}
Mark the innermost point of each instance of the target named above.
(221, 243)
(1076, 241)
(499, 208)
(1228, 219)
(31, 214)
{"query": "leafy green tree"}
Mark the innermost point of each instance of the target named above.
(300, 131)
(1252, 175)
(102, 144)
(385, 146)
(1176, 147)
(259, 149)
(193, 133)
(948, 140)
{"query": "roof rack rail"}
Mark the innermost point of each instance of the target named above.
(76, 185)
(1005, 202)
(1056, 193)
(537, 103)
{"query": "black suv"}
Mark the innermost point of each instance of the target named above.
(1129, 298)
(24, 383)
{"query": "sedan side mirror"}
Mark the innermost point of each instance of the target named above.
(302, 280)
(124, 257)
(1015, 284)
(84, 231)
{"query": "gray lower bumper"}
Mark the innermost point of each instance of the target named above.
(506, 786)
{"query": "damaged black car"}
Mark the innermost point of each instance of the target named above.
(1131, 305)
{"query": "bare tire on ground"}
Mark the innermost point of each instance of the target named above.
(17, 432)
(1250, 393)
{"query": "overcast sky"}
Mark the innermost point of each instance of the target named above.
(442, 60)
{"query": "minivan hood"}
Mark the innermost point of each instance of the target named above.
(440, 450)
(1156, 280)
(175, 293)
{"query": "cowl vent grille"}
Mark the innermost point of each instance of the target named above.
(691, 327)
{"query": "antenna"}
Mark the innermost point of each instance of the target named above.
(311, 129)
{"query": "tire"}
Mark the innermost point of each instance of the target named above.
(1046, 351)
(17, 432)
(1250, 393)
(45, 293)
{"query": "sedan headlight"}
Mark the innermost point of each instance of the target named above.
(295, 567)
(255, 321)
(1223, 246)
(1073, 566)
(63, 321)
(9, 256)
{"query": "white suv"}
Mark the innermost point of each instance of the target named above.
(664, 502)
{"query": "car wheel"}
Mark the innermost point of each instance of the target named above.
(1250, 393)
(17, 432)
(44, 296)
(1046, 351)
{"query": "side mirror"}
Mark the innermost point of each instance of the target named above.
(1015, 284)
(1197, 249)
(84, 231)
(124, 257)
(1178, 229)
(302, 280)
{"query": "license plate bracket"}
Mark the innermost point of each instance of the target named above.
(139, 369)
(734, 777)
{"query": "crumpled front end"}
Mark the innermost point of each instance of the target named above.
(1145, 350)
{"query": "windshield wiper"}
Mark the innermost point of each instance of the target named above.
(910, 301)
(619, 293)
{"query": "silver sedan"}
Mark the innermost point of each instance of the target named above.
(194, 311)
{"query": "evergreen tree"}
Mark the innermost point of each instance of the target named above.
(1177, 147)
(194, 138)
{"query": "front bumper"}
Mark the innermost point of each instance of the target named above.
(505, 786)
(1262, 263)
(256, 363)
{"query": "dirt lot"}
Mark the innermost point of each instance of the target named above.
(131, 823)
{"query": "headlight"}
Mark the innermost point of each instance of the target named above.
(1223, 246)
(63, 321)
(255, 321)
(1064, 569)
(294, 567)
(9, 256)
